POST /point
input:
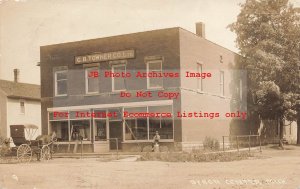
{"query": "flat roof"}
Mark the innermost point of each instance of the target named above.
(149, 31)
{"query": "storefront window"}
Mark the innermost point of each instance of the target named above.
(164, 126)
(102, 124)
(80, 114)
(59, 115)
(136, 128)
(115, 114)
(61, 130)
(80, 129)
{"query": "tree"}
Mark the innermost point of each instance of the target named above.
(268, 38)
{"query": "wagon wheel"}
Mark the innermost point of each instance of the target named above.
(45, 153)
(24, 153)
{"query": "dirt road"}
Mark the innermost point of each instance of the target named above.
(276, 169)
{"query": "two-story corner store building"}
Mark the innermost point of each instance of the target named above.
(80, 95)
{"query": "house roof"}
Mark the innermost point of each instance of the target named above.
(20, 90)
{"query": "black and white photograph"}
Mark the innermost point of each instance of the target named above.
(165, 94)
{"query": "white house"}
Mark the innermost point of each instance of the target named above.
(20, 104)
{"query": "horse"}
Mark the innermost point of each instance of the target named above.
(47, 140)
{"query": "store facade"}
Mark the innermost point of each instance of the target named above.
(128, 87)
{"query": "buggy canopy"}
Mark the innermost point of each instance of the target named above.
(30, 126)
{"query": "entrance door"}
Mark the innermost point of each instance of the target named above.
(101, 144)
(115, 131)
(100, 130)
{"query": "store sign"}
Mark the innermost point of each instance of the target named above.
(117, 55)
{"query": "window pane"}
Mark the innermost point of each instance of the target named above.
(135, 109)
(119, 82)
(80, 114)
(136, 128)
(62, 87)
(160, 109)
(92, 84)
(130, 126)
(154, 82)
(164, 127)
(119, 69)
(61, 75)
(117, 114)
(59, 115)
(61, 130)
(155, 66)
(92, 79)
(101, 113)
(80, 129)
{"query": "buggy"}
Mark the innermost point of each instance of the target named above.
(25, 148)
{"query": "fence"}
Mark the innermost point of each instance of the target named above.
(237, 142)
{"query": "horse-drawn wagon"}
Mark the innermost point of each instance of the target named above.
(25, 148)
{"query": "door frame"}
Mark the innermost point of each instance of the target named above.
(106, 128)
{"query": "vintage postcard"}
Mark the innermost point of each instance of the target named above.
(130, 94)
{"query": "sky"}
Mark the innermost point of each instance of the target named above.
(25, 25)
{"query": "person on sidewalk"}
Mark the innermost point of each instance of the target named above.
(155, 145)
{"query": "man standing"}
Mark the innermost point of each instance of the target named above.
(155, 145)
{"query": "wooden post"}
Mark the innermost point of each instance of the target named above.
(259, 144)
(75, 146)
(69, 147)
(81, 148)
(117, 148)
(237, 143)
(223, 144)
(249, 144)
